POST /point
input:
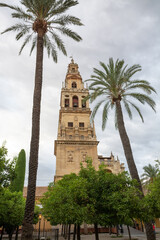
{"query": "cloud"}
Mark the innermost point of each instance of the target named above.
(120, 29)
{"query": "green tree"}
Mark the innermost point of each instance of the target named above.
(18, 183)
(150, 173)
(7, 168)
(152, 199)
(64, 202)
(115, 86)
(40, 22)
(12, 206)
(112, 199)
(93, 197)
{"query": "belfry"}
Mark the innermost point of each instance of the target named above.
(76, 133)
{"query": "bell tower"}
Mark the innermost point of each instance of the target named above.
(76, 134)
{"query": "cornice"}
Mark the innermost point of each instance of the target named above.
(71, 142)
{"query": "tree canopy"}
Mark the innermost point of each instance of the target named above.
(7, 168)
(93, 197)
(48, 19)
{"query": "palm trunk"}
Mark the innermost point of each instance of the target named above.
(126, 145)
(130, 161)
(27, 230)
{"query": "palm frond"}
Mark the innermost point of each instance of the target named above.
(142, 98)
(132, 70)
(51, 50)
(65, 20)
(23, 16)
(32, 6)
(137, 109)
(61, 7)
(22, 33)
(17, 27)
(105, 115)
(9, 6)
(33, 44)
(27, 39)
(59, 42)
(100, 83)
(69, 33)
(101, 74)
(146, 88)
(96, 109)
(127, 108)
(104, 67)
(96, 93)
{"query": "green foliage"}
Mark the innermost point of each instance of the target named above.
(18, 183)
(63, 203)
(12, 206)
(152, 198)
(93, 197)
(50, 16)
(113, 199)
(114, 83)
(37, 211)
(7, 168)
(150, 173)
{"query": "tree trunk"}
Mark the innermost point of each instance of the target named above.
(96, 231)
(2, 231)
(78, 232)
(10, 235)
(69, 231)
(117, 229)
(16, 236)
(130, 161)
(66, 231)
(74, 233)
(129, 233)
(27, 228)
(62, 230)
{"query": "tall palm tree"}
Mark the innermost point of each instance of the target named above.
(40, 22)
(113, 85)
(150, 172)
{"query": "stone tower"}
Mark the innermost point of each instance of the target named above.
(76, 134)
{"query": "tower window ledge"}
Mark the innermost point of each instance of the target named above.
(82, 129)
(69, 128)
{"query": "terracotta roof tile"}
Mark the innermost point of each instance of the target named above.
(39, 191)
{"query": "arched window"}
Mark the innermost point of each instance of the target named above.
(66, 103)
(75, 101)
(83, 104)
(74, 85)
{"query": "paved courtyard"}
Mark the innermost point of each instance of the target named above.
(135, 234)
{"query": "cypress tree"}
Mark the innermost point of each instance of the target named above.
(18, 183)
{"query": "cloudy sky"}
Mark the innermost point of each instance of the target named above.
(124, 29)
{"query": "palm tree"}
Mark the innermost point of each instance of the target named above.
(150, 173)
(40, 22)
(114, 86)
